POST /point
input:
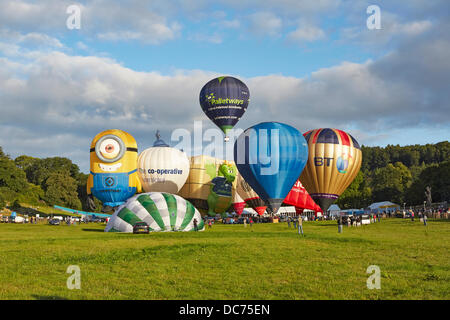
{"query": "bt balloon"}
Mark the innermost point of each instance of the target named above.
(162, 168)
(224, 100)
(334, 161)
(270, 156)
(113, 177)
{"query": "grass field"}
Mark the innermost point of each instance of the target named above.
(268, 261)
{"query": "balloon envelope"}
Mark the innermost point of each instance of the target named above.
(270, 157)
(163, 169)
(300, 198)
(224, 100)
(161, 212)
(334, 161)
(203, 181)
(249, 195)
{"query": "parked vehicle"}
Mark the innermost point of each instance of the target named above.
(141, 227)
(54, 222)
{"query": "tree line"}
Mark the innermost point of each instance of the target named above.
(394, 173)
(400, 174)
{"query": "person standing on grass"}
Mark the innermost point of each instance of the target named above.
(295, 223)
(245, 222)
(209, 223)
(289, 222)
(300, 225)
(251, 222)
(339, 224)
(425, 220)
(195, 225)
(412, 215)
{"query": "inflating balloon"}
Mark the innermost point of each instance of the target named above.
(238, 204)
(334, 161)
(162, 168)
(113, 176)
(224, 100)
(210, 185)
(270, 157)
(300, 199)
(161, 212)
(250, 197)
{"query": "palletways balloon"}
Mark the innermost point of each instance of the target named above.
(334, 161)
(224, 100)
(270, 156)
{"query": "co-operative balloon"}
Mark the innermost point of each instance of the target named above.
(162, 168)
(113, 176)
(270, 157)
(224, 100)
(161, 212)
(334, 161)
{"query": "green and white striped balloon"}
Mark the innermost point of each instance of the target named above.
(161, 211)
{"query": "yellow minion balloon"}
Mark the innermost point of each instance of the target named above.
(113, 176)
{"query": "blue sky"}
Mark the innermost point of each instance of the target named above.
(139, 66)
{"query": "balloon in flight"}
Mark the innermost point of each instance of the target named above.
(224, 100)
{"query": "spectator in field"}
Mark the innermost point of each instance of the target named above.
(251, 222)
(412, 215)
(300, 225)
(195, 225)
(425, 218)
(245, 222)
(339, 224)
(209, 223)
(289, 222)
(295, 223)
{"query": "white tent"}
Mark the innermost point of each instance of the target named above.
(383, 206)
(334, 210)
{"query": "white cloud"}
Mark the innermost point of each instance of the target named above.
(306, 33)
(265, 24)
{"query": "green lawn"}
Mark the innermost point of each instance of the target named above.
(268, 261)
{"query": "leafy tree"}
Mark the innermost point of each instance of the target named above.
(61, 189)
(11, 177)
(391, 182)
(357, 195)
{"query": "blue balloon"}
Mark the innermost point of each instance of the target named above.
(270, 156)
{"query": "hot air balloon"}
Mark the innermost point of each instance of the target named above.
(238, 204)
(250, 197)
(270, 156)
(300, 198)
(334, 161)
(210, 185)
(113, 177)
(162, 168)
(224, 100)
(161, 212)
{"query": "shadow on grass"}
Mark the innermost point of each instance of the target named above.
(93, 230)
(38, 297)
